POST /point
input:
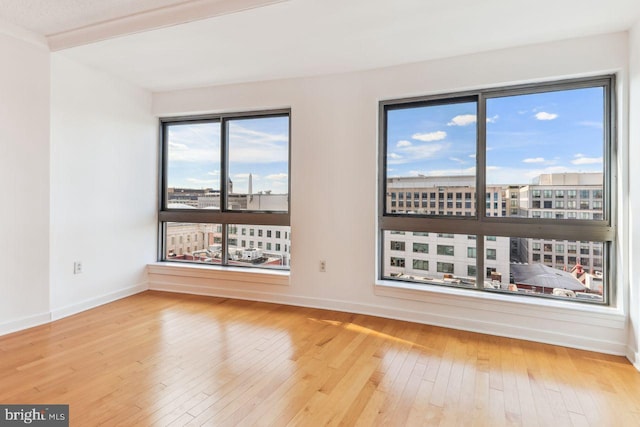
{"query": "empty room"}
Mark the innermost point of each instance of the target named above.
(304, 213)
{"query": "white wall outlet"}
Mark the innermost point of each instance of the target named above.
(77, 267)
(323, 266)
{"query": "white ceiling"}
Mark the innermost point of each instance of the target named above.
(294, 38)
(47, 17)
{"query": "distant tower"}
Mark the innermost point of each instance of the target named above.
(250, 184)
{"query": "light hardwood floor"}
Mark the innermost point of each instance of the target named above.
(159, 359)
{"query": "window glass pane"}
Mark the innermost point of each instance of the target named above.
(193, 165)
(431, 150)
(276, 252)
(546, 147)
(449, 264)
(258, 163)
(564, 269)
(193, 242)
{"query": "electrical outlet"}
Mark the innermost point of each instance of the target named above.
(323, 266)
(77, 267)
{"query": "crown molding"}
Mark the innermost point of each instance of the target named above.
(22, 34)
(157, 18)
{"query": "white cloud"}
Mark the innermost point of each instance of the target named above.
(403, 143)
(581, 159)
(463, 120)
(591, 124)
(418, 152)
(473, 156)
(395, 156)
(511, 175)
(245, 177)
(534, 160)
(546, 116)
(493, 119)
(177, 146)
(203, 181)
(430, 136)
(457, 160)
(278, 176)
(250, 146)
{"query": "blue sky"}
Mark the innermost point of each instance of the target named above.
(527, 135)
(257, 146)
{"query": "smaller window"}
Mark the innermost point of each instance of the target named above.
(445, 267)
(397, 246)
(420, 264)
(397, 262)
(422, 248)
(445, 250)
(471, 270)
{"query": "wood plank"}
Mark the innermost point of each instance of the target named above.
(168, 359)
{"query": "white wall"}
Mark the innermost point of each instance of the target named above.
(633, 198)
(103, 186)
(24, 174)
(333, 191)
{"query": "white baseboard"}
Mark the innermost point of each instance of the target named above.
(24, 323)
(634, 357)
(75, 308)
(472, 325)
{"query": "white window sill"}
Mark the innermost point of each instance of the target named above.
(503, 303)
(230, 274)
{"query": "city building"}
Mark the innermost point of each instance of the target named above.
(559, 196)
(571, 196)
(200, 242)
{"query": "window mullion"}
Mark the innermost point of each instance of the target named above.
(481, 158)
(480, 273)
(224, 179)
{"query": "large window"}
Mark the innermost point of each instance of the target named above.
(546, 148)
(225, 190)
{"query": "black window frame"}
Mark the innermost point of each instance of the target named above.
(595, 230)
(223, 216)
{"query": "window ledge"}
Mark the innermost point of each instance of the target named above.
(504, 303)
(230, 274)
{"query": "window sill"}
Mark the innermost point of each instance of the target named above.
(226, 274)
(534, 307)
